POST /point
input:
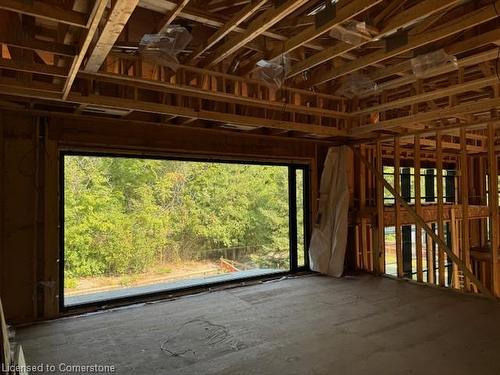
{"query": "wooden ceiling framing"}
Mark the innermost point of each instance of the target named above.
(83, 57)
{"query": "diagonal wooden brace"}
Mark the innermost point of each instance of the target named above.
(423, 224)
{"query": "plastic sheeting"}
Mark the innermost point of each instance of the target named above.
(356, 84)
(274, 71)
(351, 32)
(423, 64)
(329, 237)
(164, 47)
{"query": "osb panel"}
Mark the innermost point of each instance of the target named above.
(18, 266)
(22, 246)
(176, 139)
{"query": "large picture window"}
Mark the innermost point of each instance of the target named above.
(135, 226)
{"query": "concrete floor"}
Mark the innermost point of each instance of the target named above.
(304, 325)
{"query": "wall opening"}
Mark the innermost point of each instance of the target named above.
(135, 226)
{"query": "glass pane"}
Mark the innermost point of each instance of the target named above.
(391, 264)
(135, 226)
(301, 245)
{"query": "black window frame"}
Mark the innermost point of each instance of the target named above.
(293, 167)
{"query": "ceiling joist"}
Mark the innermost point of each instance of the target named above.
(117, 19)
(465, 22)
(65, 45)
(254, 29)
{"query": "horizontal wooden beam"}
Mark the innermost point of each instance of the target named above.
(472, 107)
(428, 213)
(36, 90)
(462, 63)
(46, 10)
(432, 95)
(449, 129)
(453, 49)
(225, 118)
(19, 41)
(23, 66)
(445, 145)
(212, 95)
(213, 107)
(206, 74)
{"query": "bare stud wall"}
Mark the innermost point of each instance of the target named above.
(462, 212)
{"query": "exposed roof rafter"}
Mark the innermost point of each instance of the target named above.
(117, 19)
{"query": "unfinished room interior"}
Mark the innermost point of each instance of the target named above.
(250, 186)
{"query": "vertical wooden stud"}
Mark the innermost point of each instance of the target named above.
(418, 209)
(379, 255)
(362, 206)
(493, 205)
(440, 206)
(464, 193)
(397, 207)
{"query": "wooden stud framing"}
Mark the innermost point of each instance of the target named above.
(445, 119)
(362, 206)
(440, 205)
(397, 208)
(430, 260)
(379, 254)
(493, 204)
(455, 280)
(422, 223)
(418, 210)
(464, 194)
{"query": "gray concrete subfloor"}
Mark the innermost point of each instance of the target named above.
(302, 325)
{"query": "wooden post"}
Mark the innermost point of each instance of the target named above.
(379, 255)
(397, 208)
(483, 201)
(440, 207)
(359, 264)
(455, 283)
(418, 209)
(430, 260)
(464, 184)
(493, 205)
(418, 190)
(362, 206)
